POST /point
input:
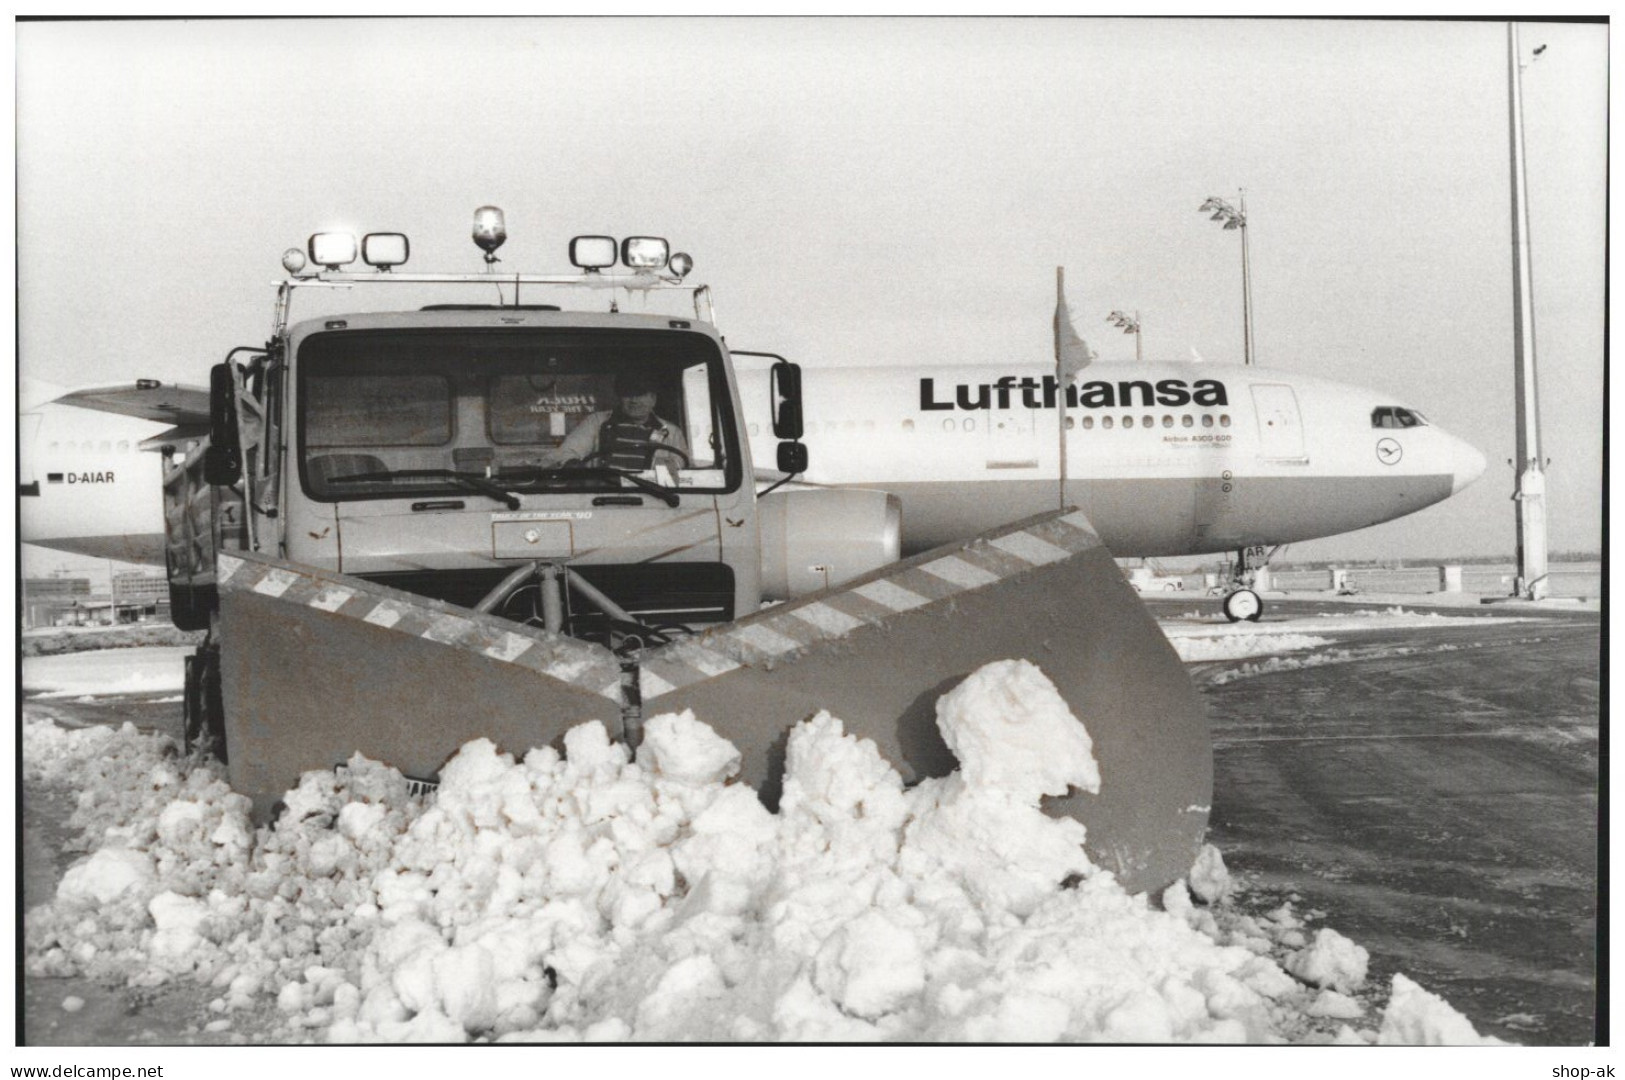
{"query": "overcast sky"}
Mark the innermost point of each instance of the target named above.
(858, 191)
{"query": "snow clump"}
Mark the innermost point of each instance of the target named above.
(584, 896)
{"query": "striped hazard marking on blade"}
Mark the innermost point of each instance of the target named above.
(927, 579)
(577, 663)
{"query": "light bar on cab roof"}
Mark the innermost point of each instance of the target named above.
(644, 252)
(385, 249)
(681, 264)
(332, 249)
(293, 260)
(592, 253)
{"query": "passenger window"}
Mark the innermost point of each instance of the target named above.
(1128, 421)
(1088, 422)
(948, 425)
(1186, 421)
(970, 425)
(908, 425)
(1224, 420)
(1207, 419)
(1106, 422)
(1149, 421)
(1070, 423)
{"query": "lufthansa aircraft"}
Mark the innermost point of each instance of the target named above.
(85, 485)
(1165, 459)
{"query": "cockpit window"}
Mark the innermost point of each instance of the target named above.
(1389, 416)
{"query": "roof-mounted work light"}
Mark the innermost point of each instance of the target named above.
(293, 260)
(681, 263)
(385, 249)
(644, 252)
(592, 253)
(332, 249)
(490, 231)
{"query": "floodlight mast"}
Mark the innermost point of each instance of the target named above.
(1129, 324)
(1529, 492)
(1234, 219)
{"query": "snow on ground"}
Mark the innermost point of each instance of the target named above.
(1193, 648)
(1199, 638)
(108, 672)
(585, 896)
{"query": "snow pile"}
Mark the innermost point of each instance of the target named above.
(583, 896)
(1330, 656)
(1417, 1018)
(1332, 961)
(1236, 646)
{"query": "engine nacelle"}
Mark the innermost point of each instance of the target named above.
(813, 538)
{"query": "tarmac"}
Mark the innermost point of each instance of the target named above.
(1432, 794)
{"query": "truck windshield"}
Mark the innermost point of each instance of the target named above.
(402, 413)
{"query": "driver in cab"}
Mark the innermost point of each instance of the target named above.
(628, 437)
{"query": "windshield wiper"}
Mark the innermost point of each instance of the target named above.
(472, 481)
(664, 494)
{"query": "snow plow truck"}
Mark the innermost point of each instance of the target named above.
(411, 527)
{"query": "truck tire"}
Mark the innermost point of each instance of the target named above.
(204, 709)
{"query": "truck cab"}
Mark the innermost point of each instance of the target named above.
(583, 470)
(435, 450)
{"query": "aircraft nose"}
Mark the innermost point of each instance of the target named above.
(1467, 464)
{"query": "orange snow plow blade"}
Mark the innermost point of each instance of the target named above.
(879, 651)
(323, 665)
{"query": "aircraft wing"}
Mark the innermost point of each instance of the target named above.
(148, 399)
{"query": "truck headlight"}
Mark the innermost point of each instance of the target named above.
(385, 249)
(332, 249)
(644, 252)
(592, 253)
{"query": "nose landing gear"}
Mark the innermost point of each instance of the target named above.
(1243, 604)
(1241, 601)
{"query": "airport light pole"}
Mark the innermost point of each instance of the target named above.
(1236, 219)
(1529, 492)
(1130, 324)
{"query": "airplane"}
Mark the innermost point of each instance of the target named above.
(1165, 459)
(85, 484)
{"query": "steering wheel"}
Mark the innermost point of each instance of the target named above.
(600, 457)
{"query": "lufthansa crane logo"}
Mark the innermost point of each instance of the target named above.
(1389, 452)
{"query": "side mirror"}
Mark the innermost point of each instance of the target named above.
(222, 460)
(792, 458)
(784, 392)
